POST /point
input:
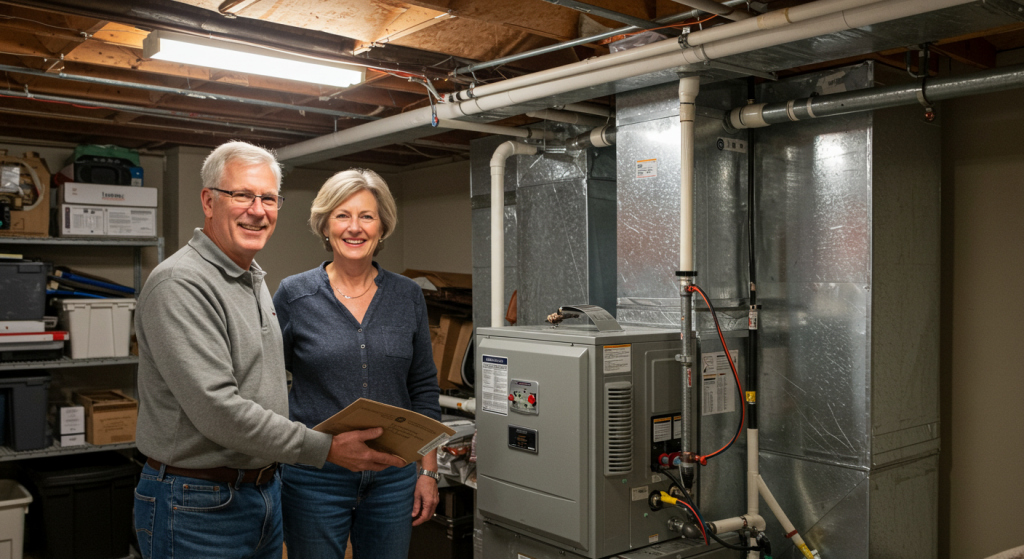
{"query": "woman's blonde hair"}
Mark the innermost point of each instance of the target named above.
(339, 188)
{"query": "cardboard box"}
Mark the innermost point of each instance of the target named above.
(407, 434)
(461, 343)
(106, 221)
(110, 416)
(433, 281)
(443, 347)
(33, 220)
(107, 195)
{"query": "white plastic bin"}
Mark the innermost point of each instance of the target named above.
(98, 327)
(14, 502)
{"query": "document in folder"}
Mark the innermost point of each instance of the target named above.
(407, 434)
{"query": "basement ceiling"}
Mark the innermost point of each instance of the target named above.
(73, 70)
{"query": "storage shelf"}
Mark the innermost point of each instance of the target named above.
(127, 242)
(66, 362)
(7, 455)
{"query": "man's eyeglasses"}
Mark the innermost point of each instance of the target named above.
(244, 198)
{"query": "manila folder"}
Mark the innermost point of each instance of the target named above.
(407, 434)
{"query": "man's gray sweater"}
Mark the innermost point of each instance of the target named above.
(212, 388)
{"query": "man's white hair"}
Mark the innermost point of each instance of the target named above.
(237, 152)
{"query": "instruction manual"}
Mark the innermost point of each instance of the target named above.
(407, 434)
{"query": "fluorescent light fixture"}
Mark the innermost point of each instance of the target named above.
(200, 51)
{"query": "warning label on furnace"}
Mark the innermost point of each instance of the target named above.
(495, 384)
(616, 358)
(661, 429)
(719, 386)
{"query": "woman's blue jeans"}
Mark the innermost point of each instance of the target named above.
(322, 508)
(179, 517)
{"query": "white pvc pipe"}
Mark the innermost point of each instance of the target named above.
(688, 89)
(783, 519)
(496, 129)
(498, 225)
(752, 475)
(738, 523)
(451, 402)
(773, 19)
(568, 117)
(660, 56)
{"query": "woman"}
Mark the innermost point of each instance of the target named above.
(354, 330)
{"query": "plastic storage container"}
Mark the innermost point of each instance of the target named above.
(26, 396)
(98, 327)
(443, 538)
(83, 506)
(23, 285)
(14, 502)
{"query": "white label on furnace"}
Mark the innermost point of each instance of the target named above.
(652, 538)
(661, 429)
(495, 387)
(617, 358)
(677, 427)
(832, 83)
(719, 392)
(639, 493)
(646, 168)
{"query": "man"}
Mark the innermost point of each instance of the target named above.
(213, 403)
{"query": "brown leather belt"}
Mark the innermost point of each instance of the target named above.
(223, 475)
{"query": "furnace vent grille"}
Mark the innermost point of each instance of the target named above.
(618, 444)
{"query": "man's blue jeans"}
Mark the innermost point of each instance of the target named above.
(323, 507)
(179, 517)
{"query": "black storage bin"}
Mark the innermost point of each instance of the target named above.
(443, 538)
(25, 418)
(23, 285)
(82, 507)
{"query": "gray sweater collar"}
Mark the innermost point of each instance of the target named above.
(214, 255)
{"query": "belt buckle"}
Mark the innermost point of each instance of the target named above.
(259, 476)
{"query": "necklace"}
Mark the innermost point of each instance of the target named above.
(365, 291)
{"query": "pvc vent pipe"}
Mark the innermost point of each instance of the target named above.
(503, 152)
(599, 137)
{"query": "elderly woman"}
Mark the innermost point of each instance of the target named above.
(355, 330)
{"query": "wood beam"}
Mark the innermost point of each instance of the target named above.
(414, 19)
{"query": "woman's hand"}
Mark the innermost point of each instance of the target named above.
(425, 500)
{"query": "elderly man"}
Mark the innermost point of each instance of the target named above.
(213, 402)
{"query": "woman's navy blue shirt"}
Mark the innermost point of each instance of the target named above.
(335, 360)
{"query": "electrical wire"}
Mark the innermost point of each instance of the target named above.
(686, 496)
(743, 409)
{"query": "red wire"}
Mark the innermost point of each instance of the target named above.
(743, 408)
(697, 518)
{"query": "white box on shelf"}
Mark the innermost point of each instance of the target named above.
(107, 195)
(22, 326)
(70, 420)
(72, 440)
(98, 327)
(14, 502)
(106, 221)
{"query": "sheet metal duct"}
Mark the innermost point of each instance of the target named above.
(848, 214)
(559, 242)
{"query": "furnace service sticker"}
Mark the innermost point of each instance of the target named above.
(617, 358)
(647, 168)
(495, 386)
(718, 394)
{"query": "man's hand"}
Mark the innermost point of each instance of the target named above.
(349, 451)
(425, 500)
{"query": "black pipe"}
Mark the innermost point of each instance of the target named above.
(752, 319)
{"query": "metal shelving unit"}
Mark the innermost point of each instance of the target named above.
(136, 244)
(6, 454)
(67, 362)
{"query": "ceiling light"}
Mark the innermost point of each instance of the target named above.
(200, 51)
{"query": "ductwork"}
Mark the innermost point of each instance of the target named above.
(924, 92)
(568, 117)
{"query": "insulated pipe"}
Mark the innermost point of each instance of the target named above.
(689, 87)
(599, 137)
(568, 117)
(784, 520)
(498, 225)
(451, 402)
(656, 57)
(712, 7)
(497, 129)
(925, 93)
(728, 31)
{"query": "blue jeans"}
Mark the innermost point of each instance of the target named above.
(179, 517)
(323, 507)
